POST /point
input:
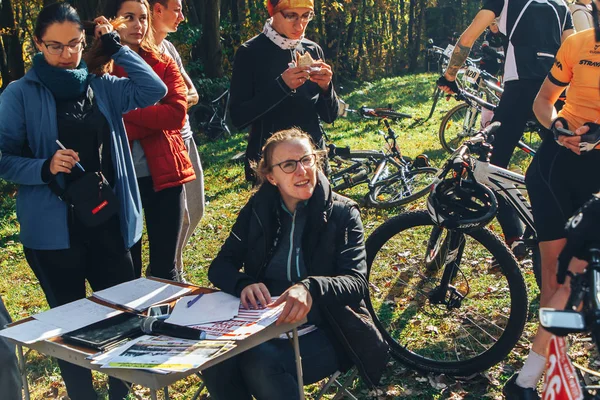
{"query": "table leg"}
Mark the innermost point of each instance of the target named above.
(153, 395)
(298, 364)
(166, 392)
(23, 370)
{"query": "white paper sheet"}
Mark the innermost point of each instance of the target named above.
(211, 307)
(141, 293)
(31, 331)
(76, 314)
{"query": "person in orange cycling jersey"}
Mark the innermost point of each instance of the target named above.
(560, 178)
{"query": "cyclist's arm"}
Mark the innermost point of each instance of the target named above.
(461, 51)
(543, 106)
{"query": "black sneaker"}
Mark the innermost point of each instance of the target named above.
(512, 391)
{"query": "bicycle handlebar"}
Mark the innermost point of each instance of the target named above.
(468, 97)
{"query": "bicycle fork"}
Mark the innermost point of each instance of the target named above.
(445, 251)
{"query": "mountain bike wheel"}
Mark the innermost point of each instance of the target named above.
(458, 125)
(470, 336)
(351, 168)
(402, 187)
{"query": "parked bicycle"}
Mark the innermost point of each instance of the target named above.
(463, 122)
(447, 293)
(463, 77)
(392, 179)
(211, 118)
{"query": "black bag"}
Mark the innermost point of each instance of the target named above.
(92, 199)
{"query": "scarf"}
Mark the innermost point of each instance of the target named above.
(64, 84)
(281, 41)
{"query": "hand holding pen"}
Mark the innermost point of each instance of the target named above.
(64, 160)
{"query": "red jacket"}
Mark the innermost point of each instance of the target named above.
(158, 127)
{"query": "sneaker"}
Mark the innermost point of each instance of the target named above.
(512, 391)
(519, 249)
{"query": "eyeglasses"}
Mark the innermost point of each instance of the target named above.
(293, 17)
(289, 166)
(57, 48)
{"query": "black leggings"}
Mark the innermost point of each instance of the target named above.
(163, 212)
(98, 255)
(559, 182)
(513, 112)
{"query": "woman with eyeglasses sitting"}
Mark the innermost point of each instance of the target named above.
(298, 240)
(271, 90)
(59, 100)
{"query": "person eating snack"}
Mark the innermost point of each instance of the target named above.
(293, 89)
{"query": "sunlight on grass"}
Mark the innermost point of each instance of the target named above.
(227, 192)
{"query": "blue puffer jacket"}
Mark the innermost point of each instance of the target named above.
(28, 113)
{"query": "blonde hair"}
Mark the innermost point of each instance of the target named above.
(265, 165)
(99, 63)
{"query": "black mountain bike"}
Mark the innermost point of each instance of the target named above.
(393, 180)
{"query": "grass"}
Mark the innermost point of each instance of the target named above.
(227, 192)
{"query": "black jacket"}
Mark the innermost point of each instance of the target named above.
(335, 259)
(259, 97)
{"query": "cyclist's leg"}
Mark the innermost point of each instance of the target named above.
(555, 193)
(513, 112)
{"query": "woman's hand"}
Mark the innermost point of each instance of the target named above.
(295, 77)
(322, 77)
(63, 161)
(298, 303)
(572, 142)
(254, 294)
(103, 26)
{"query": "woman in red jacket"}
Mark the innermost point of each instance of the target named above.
(162, 164)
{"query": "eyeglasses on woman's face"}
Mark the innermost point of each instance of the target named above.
(290, 166)
(294, 17)
(56, 48)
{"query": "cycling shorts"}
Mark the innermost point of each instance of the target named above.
(559, 182)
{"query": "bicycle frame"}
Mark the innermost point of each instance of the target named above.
(506, 184)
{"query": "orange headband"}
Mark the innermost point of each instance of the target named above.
(285, 4)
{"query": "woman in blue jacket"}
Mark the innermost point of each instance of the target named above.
(59, 100)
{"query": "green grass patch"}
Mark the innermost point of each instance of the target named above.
(227, 192)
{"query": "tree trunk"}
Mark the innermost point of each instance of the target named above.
(87, 9)
(192, 14)
(211, 35)
(12, 66)
(416, 45)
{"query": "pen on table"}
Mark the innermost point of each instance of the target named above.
(64, 148)
(195, 299)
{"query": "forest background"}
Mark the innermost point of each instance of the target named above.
(363, 40)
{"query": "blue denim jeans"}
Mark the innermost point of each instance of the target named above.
(10, 379)
(268, 371)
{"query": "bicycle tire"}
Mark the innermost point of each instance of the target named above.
(450, 137)
(400, 187)
(407, 319)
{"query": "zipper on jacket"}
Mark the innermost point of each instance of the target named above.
(298, 261)
(289, 263)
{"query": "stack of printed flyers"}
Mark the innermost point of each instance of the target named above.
(218, 314)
